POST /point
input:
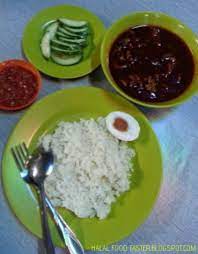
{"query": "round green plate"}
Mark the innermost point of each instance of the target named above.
(129, 211)
(33, 33)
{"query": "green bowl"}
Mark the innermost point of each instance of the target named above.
(164, 21)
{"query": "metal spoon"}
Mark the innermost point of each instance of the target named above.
(39, 166)
(29, 165)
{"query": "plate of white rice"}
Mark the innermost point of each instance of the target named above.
(102, 187)
(92, 167)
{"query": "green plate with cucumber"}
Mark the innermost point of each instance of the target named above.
(64, 41)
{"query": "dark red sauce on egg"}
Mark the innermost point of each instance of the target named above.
(151, 63)
(120, 124)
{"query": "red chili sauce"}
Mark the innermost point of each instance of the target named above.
(17, 86)
(151, 64)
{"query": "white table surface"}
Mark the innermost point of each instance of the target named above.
(174, 219)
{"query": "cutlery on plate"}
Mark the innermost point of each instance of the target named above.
(34, 170)
(39, 165)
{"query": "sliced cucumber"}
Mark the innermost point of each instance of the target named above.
(49, 24)
(52, 28)
(64, 35)
(68, 33)
(73, 23)
(80, 42)
(60, 34)
(65, 45)
(64, 59)
(63, 40)
(67, 51)
(80, 31)
(45, 41)
(45, 45)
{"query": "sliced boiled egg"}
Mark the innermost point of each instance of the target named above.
(123, 126)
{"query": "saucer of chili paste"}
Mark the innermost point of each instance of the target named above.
(20, 84)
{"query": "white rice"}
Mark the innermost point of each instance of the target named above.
(92, 167)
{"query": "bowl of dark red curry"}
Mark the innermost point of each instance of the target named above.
(20, 83)
(151, 59)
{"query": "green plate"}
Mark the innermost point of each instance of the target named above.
(129, 211)
(33, 33)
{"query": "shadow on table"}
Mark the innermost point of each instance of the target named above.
(98, 79)
(41, 249)
(156, 113)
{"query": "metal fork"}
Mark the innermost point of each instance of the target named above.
(21, 156)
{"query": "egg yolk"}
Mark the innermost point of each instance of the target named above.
(120, 124)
